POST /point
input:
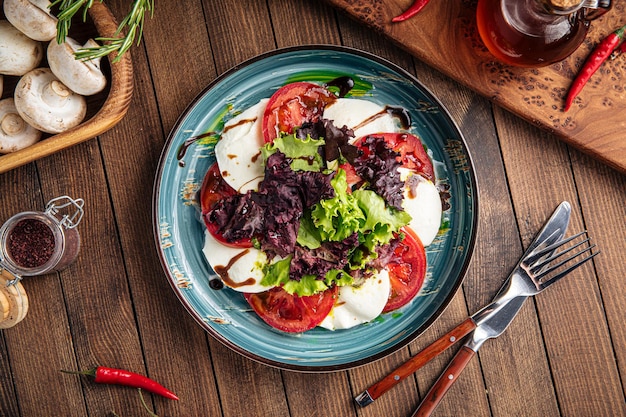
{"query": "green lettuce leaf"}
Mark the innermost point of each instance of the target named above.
(381, 224)
(308, 235)
(381, 221)
(303, 152)
(308, 285)
(277, 274)
(339, 217)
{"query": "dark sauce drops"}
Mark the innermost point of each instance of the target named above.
(216, 283)
(444, 194)
(182, 150)
(401, 114)
(344, 84)
(223, 272)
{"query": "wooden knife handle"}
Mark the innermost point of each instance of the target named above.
(419, 360)
(445, 381)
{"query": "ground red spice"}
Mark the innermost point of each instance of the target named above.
(30, 243)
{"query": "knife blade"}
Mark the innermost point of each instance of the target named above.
(553, 231)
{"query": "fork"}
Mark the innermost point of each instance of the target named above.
(534, 263)
(537, 272)
(545, 264)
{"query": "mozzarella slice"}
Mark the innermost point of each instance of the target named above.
(239, 268)
(358, 305)
(423, 203)
(363, 116)
(238, 151)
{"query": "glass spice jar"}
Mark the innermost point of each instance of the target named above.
(35, 243)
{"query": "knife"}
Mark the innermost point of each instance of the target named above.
(487, 323)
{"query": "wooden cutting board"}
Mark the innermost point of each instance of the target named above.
(444, 36)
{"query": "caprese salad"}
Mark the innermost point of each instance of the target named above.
(318, 208)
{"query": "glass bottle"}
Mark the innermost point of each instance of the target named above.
(35, 243)
(535, 33)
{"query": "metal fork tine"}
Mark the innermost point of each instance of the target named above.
(541, 273)
(539, 253)
(544, 265)
(555, 278)
(536, 267)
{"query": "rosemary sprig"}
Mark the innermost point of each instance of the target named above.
(132, 25)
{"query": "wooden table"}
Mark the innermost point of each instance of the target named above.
(565, 354)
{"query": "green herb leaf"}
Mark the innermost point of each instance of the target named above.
(132, 24)
(277, 273)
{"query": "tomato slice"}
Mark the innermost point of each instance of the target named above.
(293, 105)
(352, 178)
(407, 276)
(292, 313)
(412, 153)
(213, 189)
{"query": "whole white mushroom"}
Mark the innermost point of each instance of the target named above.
(81, 76)
(46, 103)
(15, 133)
(32, 17)
(19, 53)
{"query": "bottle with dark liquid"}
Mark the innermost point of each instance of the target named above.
(535, 33)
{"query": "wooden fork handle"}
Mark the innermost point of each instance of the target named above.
(445, 381)
(416, 362)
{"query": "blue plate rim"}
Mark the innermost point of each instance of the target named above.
(469, 248)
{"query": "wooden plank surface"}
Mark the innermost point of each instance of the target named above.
(444, 35)
(564, 355)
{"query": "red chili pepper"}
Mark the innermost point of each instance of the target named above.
(104, 375)
(601, 53)
(415, 8)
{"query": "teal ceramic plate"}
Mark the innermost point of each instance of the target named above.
(179, 232)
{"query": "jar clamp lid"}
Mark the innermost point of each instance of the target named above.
(69, 220)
